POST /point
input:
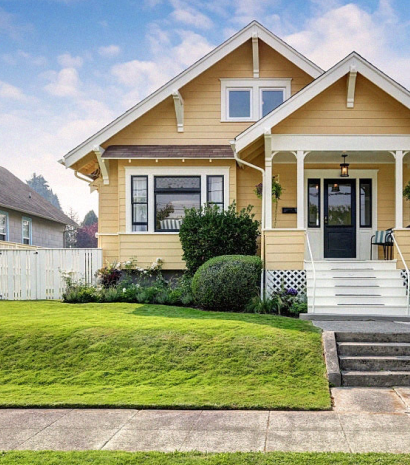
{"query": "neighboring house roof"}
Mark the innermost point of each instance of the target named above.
(353, 62)
(17, 195)
(168, 151)
(252, 29)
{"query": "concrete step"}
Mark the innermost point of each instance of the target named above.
(375, 378)
(358, 290)
(373, 337)
(342, 300)
(325, 281)
(375, 363)
(352, 264)
(382, 349)
(360, 309)
(356, 274)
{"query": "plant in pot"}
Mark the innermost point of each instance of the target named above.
(276, 194)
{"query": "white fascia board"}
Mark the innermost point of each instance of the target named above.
(334, 143)
(188, 75)
(316, 87)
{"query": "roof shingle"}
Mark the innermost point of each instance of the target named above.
(168, 151)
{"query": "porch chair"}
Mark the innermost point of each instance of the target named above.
(385, 239)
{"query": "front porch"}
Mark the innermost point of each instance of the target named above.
(336, 217)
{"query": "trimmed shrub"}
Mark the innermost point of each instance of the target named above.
(210, 232)
(227, 283)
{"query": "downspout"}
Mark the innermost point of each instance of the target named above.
(258, 168)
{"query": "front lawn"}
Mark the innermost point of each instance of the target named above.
(131, 355)
(196, 458)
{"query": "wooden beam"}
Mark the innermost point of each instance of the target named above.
(351, 86)
(179, 110)
(103, 164)
(255, 54)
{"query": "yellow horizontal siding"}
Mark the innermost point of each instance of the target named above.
(403, 240)
(374, 112)
(284, 250)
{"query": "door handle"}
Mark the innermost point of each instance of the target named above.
(325, 219)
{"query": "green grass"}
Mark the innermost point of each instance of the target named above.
(130, 355)
(196, 458)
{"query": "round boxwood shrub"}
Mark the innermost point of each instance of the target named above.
(227, 283)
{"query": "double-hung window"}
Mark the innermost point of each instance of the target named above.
(215, 191)
(139, 203)
(173, 194)
(26, 231)
(4, 218)
(251, 99)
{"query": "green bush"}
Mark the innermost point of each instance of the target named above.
(227, 283)
(210, 232)
(80, 294)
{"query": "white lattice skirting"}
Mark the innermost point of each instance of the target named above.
(276, 279)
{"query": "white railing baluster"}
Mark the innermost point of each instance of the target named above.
(407, 271)
(314, 272)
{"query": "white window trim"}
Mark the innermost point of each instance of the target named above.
(251, 103)
(7, 223)
(255, 85)
(30, 230)
(151, 172)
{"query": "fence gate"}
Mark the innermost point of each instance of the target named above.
(39, 274)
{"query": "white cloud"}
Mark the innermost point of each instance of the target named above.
(184, 13)
(110, 51)
(66, 60)
(11, 92)
(65, 83)
(10, 27)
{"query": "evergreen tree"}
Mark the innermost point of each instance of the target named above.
(40, 185)
(90, 218)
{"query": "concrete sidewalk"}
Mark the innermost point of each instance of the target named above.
(363, 420)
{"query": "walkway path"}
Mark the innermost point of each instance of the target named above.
(363, 420)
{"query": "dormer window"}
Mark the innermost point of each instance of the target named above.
(251, 99)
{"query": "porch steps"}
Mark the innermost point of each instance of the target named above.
(374, 359)
(356, 287)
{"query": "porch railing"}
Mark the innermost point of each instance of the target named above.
(407, 271)
(313, 270)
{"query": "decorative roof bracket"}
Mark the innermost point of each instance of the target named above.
(179, 110)
(351, 86)
(103, 164)
(255, 54)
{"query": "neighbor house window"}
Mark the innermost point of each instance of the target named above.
(173, 194)
(139, 201)
(365, 203)
(250, 99)
(26, 231)
(215, 191)
(270, 99)
(4, 219)
(314, 203)
(239, 104)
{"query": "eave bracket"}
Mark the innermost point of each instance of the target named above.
(351, 86)
(255, 54)
(103, 164)
(179, 110)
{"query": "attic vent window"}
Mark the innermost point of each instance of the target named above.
(251, 99)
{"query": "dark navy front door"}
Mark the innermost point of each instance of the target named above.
(340, 218)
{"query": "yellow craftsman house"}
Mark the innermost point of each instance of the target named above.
(252, 109)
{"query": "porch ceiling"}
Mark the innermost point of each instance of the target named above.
(335, 157)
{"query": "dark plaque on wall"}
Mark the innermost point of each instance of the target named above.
(289, 210)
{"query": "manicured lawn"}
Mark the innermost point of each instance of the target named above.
(195, 458)
(130, 355)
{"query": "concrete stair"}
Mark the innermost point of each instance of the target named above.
(354, 287)
(374, 359)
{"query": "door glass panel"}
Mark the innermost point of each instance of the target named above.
(339, 204)
(365, 203)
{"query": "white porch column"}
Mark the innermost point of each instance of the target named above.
(300, 159)
(399, 188)
(267, 185)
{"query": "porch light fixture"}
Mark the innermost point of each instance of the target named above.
(335, 187)
(344, 167)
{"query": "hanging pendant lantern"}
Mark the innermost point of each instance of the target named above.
(335, 187)
(344, 167)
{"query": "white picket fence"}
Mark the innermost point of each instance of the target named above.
(38, 274)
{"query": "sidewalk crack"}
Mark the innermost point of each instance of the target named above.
(120, 428)
(190, 430)
(267, 431)
(344, 433)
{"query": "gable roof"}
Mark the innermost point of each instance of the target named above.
(188, 75)
(354, 61)
(17, 195)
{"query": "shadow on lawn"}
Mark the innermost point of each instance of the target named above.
(274, 321)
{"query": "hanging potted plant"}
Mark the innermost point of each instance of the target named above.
(276, 194)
